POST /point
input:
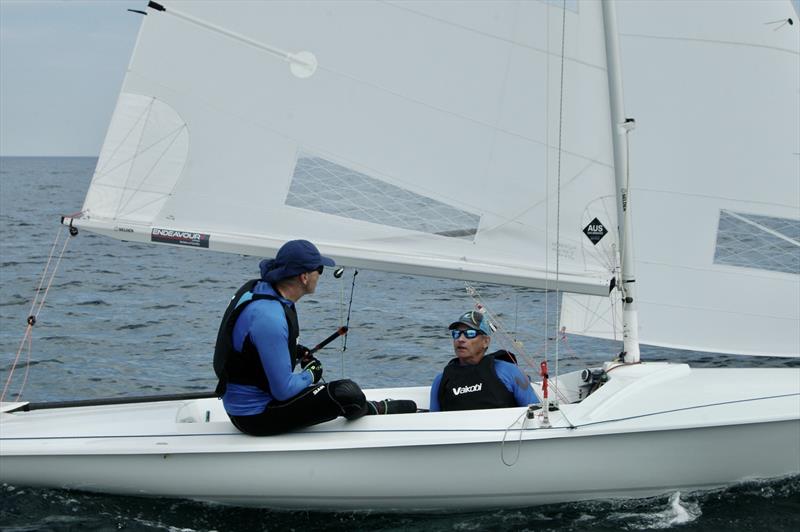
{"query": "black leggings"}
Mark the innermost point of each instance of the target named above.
(315, 404)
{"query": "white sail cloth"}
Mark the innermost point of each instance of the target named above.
(715, 164)
(423, 142)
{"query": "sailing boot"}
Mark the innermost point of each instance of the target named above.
(392, 406)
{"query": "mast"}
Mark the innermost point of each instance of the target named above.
(620, 128)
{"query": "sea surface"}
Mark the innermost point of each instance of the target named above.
(122, 319)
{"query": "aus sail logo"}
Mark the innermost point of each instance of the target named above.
(595, 231)
(181, 238)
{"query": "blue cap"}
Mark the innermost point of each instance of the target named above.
(294, 257)
(474, 320)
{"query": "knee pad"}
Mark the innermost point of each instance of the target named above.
(349, 397)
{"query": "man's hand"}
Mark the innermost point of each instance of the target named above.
(303, 355)
(315, 367)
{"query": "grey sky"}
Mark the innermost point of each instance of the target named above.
(61, 67)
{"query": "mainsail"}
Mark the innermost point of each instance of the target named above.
(715, 161)
(426, 142)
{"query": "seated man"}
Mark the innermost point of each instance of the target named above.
(257, 352)
(475, 379)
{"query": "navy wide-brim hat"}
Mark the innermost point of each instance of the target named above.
(294, 257)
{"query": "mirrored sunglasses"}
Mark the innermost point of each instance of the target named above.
(468, 333)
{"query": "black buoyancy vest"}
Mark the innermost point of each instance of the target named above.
(473, 387)
(244, 367)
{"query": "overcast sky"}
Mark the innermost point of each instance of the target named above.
(61, 66)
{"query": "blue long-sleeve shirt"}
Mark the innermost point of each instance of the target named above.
(509, 374)
(264, 322)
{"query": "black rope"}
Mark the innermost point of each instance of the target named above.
(349, 308)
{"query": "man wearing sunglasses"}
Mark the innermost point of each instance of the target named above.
(475, 379)
(257, 351)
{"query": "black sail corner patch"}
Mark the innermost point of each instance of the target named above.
(595, 231)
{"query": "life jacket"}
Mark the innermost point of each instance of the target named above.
(244, 367)
(472, 387)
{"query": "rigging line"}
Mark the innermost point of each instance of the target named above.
(28, 336)
(52, 277)
(349, 308)
(504, 336)
(558, 176)
(547, 192)
(341, 316)
(524, 417)
(507, 339)
(27, 368)
(44, 272)
(16, 361)
(31, 318)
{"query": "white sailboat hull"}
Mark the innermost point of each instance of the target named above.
(427, 461)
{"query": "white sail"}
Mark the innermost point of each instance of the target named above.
(426, 142)
(715, 164)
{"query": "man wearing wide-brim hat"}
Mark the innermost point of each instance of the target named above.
(257, 352)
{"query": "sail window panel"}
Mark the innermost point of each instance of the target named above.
(323, 186)
(761, 242)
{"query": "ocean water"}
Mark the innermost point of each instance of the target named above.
(124, 319)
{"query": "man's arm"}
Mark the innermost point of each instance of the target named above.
(269, 332)
(516, 382)
(434, 402)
